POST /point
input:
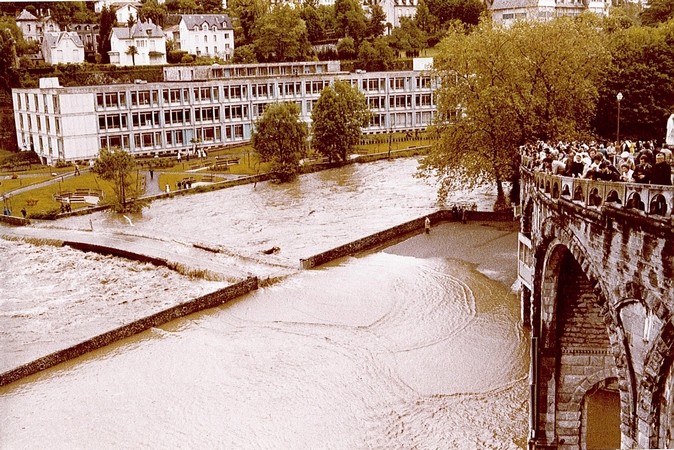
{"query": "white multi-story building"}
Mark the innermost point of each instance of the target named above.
(146, 38)
(65, 47)
(509, 11)
(215, 105)
(204, 35)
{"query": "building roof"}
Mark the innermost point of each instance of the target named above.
(140, 29)
(513, 4)
(53, 39)
(220, 21)
(25, 15)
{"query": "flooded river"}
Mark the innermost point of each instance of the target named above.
(415, 346)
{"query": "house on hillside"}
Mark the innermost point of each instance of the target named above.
(142, 44)
(64, 47)
(33, 28)
(204, 35)
(88, 33)
(509, 11)
(124, 11)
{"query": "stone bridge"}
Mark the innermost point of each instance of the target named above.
(596, 261)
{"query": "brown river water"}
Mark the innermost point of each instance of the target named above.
(417, 345)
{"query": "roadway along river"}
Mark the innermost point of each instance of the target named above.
(415, 346)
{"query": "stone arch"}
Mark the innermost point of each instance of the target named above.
(658, 205)
(613, 197)
(594, 198)
(597, 380)
(578, 194)
(555, 241)
(555, 190)
(634, 202)
(566, 192)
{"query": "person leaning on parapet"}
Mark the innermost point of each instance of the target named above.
(661, 173)
(642, 171)
(626, 173)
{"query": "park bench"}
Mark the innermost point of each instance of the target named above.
(207, 178)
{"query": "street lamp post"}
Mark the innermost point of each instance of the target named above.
(618, 97)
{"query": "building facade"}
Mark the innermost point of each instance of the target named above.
(214, 105)
(62, 48)
(508, 12)
(205, 35)
(142, 44)
(88, 33)
(34, 28)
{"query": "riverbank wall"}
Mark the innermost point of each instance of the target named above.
(211, 300)
(400, 232)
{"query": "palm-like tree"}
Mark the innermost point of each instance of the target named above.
(133, 51)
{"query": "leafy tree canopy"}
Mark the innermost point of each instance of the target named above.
(658, 11)
(338, 117)
(408, 37)
(642, 70)
(152, 10)
(376, 23)
(501, 88)
(280, 136)
(116, 166)
(350, 19)
(282, 36)
(375, 56)
(246, 13)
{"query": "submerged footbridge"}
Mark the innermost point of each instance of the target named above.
(596, 261)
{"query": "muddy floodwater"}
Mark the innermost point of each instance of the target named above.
(417, 345)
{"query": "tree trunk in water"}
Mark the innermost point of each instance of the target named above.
(501, 202)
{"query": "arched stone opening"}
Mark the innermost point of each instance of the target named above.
(613, 197)
(578, 194)
(575, 345)
(600, 417)
(658, 206)
(555, 190)
(634, 202)
(566, 192)
(594, 198)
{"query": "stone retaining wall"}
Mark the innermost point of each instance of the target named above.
(399, 232)
(207, 301)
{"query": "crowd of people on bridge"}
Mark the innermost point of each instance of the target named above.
(633, 162)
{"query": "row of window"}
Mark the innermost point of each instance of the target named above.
(50, 103)
(173, 138)
(240, 92)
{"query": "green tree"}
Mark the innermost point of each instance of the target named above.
(181, 6)
(642, 70)
(346, 48)
(350, 19)
(152, 10)
(375, 56)
(408, 37)
(282, 36)
(376, 23)
(338, 118)
(116, 166)
(424, 19)
(210, 6)
(246, 14)
(132, 51)
(315, 30)
(8, 73)
(280, 136)
(244, 54)
(108, 20)
(501, 88)
(658, 11)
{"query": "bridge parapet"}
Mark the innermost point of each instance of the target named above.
(652, 200)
